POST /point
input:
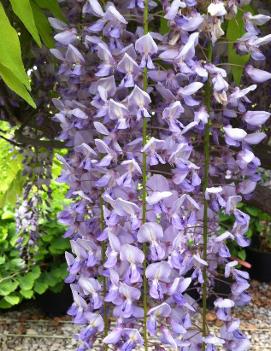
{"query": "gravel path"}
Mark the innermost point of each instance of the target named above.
(28, 330)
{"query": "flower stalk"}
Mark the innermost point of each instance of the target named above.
(208, 103)
(144, 192)
(105, 311)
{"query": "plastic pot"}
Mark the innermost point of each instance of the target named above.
(260, 264)
(55, 304)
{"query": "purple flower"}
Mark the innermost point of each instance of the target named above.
(119, 112)
(158, 273)
(91, 286)
(147, 47)
(224, 307)
(161, 311)
(152, 233)
(256, 118)
(152, 149)
(126, 308)
(133, 339)
(177, 289)
(257, 75)
(139, 100)
(130, 68)
(133, 256)
(212, 342)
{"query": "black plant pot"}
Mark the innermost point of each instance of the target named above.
(55, 304)
(260, 264)
(221, 289)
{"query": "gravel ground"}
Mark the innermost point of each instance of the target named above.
(27, 329)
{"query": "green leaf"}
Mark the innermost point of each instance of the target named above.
(10, 49)
(23, 9)
(14, 83)
(252, 211)
(58, 288)
(249, 233)
(40, 286)
(4, 304)
(36, 272)
(3, 234)
(8, 214)
(43, 25)
(27, 294)
(7, 287)
(259, 227)
(235, 31)
(16, 263)
(9, 197)
(12, 299)
(59, 246)
(27, 281)
(60, 272)
(52, 6)
(242, 254)
(2, 259)
(164, 27)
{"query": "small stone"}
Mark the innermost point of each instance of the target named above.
(31, 332)
(246, 315)
(248, 326)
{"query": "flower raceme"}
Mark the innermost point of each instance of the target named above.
(104, 108)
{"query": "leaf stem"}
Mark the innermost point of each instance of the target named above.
(144, 194)
(105, 315)
(208, 103)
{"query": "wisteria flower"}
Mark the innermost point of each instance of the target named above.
(158, 273)
(130, 68)
(147, 47)
(152, 233)
(163, 310)
(133, 256)
(139, 100)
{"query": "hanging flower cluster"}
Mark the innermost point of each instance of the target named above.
(33, 207)
(162, 143)
(37, 159)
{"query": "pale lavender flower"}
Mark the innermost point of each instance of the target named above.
(147, 47)
(159, 274)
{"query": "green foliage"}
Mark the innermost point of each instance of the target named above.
(7, 287)
(164, 27)
(43, 25)
(18, 280)
(15, 85)
(235, 31)
(33, 15)
(11, 179)
(10, 50)
(11, 64)
(52, 6)
(23, 9)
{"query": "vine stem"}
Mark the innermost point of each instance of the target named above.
(144, 194)
(208, 103)
(105, 315)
